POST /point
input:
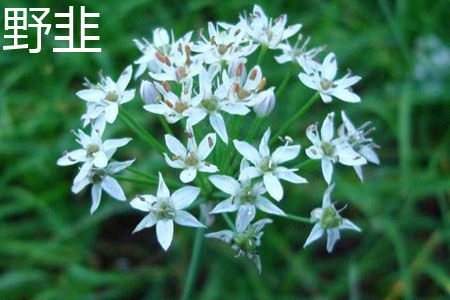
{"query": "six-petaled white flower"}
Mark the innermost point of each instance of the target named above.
(328, 220)
(358, 140)
(95, 152)
(192, 158)
(321, 77)
(105, 98)
(293, 53)
(266, 31)
(101, 179)
(245, 241)
(268, 165)
(164, 209)
(245, 197)
(331, 150)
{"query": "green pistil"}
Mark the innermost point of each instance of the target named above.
(330, 218)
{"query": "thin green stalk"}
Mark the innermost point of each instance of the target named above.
(140, 131)
(296, 117)
(194, 264)
(165, 125)
(262, 54)
(229, 222)
(285, 82)
(296, 218)
(304, 164)
(136, 180)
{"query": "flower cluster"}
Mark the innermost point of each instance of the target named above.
(214, 77)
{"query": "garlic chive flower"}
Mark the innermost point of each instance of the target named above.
(293, 53)
(245, 197)
(101, 179)
(149, 93)
(268, 166)
(94, 152)
(270, 33)
(192, 158)
(164, 209)
(245, 241)
(322, 78)
(331, 150)
(105, 98)
(358, 140)
(327, 219)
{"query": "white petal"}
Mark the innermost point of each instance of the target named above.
(347, 224)
(112, 187)
(225, 206)
(329, 67)
(111, 112)
(267, 206)
(289, 175)
(246, 214)
(316, 233)
(327, 130)
(184, 218)
(125, 78)
(84, 171)
(143, 202)
(188, 175)
(146, 222)
(96, 194)
(326, 201)
(308, 80)
(223, 235)
(273, 186)
(184, 196)
(226, 184)
(209, 168)
(91, 95)
(115, 143)
(369, 154)
(79, 186)
(312, 134)
(249, 173)
(247, 151)
(314, 152)
(285, 153)
(347, 156)
(264, 144)
(359, 172)
(127, 96)
(177, 164)
(333, 237)
(164, 233)
(235, 109)
(207, 145)
(159, 109)
(218, 124)
(325, 98)
(346, 95)
(175, 146)
(163, 191)
(327, 170)
(72, 158)
(117, 166)
(100, 159)
(291, 30)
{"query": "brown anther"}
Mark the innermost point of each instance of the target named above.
(239, 69)
(207, 164)
(210, 142)
(180, 48)
(187, 49)
(167, 61)
(166, 86)
(236, 87)
(168, 103)
(175, 157)
(213, 41)
(232, 199)
(237, 32)
(189, 134)
(253, 74)
(160, 57)
(262, 83)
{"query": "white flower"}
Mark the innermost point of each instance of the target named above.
(330, 150)
(148, 61)
(163, 209)
(225, 43)
(106, 97)
(265, 104)
(193, 158)
(327, 219)
(267, 32)
(268, 165)
(101, 179)
(244, 198)
(358, 140)
(293, 53)
(214, 102)
(94, 153)
(172, 106)
(322, 78)
(245, 241)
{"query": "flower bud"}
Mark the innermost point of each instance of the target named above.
(265, 106)
(148, 92)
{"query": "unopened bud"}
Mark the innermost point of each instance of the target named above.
(148, 92)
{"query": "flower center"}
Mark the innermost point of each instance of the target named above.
(164, 210)
(181, 106)
(328, 149)
(91, 149)
(222, 49)
(242, 94)
(112, 97)
(267, 165)
(98, 176)
(330, 218)
(326, 84)
(246, 195)
(191, 159)
(210, 105)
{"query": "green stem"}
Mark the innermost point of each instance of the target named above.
(296, 117)
(165, 125)
(194, 264)
(136, 180)
(296, 218)
(285, 82)
(140, 131)
(229, 222)
(304, 164)
(262, 53)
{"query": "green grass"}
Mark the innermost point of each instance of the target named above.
(51, 248)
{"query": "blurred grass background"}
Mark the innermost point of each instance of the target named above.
(51, 248)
